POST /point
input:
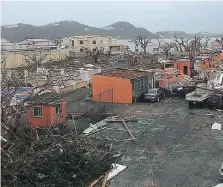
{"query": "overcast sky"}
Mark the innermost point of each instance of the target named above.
(155, 16)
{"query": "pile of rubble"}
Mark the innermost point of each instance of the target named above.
(56, 155)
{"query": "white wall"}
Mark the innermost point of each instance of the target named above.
(101, 42)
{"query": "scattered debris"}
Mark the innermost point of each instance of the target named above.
(210, 114)
(167, 100)
(94, 127)
(216, 126)
(105, 180)
(95, 131)
(118, 154)
(3, 139)
(128, 130)
(125, 119)
(95, 181)
(41, 176)
(55, 152)
(208, 124)
(117, 168)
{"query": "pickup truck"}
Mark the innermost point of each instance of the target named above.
(200, 95)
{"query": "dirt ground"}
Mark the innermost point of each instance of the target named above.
(174, 147)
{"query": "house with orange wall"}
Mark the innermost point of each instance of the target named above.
(121, 85)
(46, 110)
(211, 61)
(182, 65)
(167, 81)
(205, 63)
(216, 45)
(217, 57)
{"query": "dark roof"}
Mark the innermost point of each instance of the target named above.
(47, 98)
(125, 73)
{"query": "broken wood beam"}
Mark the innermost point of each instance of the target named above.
(119, 120)
(95, 181)
(133, 138)
(105, 180)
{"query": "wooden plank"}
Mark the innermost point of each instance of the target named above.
(105, 180)
(133, 138)
(119, 120)
(95, 181)
(74, 125)
(117, 168)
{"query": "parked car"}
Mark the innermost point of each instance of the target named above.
(167, 91)
(178, 90)
(154, 95)
(215, 100)
(221, 171)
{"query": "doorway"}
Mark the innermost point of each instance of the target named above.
(185, 71)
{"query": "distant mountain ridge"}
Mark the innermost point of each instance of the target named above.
(170, 34)
(61, 29)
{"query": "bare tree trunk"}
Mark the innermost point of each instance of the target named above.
(95, 59)
(166, 55)
(192, 61)
(141, 41)
(144, 49)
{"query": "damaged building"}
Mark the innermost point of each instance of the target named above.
(121, 85)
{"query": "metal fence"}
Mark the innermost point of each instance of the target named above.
(101, 106)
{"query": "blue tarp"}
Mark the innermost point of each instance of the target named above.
(20, 97)
(22, 90)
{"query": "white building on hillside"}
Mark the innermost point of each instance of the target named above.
(79, 43)
(6, 45)
(27, 44)
(31, 44)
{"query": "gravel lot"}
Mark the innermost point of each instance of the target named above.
(174, 147)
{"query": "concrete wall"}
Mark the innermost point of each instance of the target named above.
(18, 59)
(111, 89)
(86, 74)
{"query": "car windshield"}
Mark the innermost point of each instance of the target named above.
(153, 91)
(177, 86)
